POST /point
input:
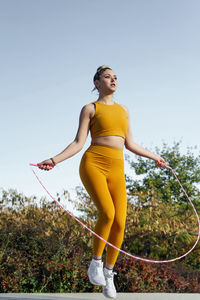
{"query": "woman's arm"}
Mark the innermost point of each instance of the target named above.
(137, 149)
(79, 141)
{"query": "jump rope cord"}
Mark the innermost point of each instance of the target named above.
(126, 253)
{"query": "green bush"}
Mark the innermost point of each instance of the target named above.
(43, 249)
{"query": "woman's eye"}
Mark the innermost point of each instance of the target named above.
(109, 77)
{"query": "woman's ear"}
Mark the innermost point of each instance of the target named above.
(97, 83)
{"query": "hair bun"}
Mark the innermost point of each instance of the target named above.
(102, 67)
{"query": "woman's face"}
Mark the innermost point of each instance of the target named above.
(107, 82)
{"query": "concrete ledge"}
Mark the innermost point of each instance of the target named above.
(100, 296)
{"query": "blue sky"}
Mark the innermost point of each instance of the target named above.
(50, 51)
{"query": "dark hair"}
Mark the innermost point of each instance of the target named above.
(98, 73)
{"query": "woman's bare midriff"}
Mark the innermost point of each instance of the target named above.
(112, 141)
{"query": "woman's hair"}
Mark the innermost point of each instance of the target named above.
(98, 73)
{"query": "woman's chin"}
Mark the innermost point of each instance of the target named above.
(111, 89)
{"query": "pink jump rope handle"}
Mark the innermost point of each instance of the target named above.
(35, 165)
(159, 164)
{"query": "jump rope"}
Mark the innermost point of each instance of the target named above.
(126, 253)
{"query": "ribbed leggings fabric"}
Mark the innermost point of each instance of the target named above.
(102, 173)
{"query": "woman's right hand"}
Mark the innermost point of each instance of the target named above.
(46, 165)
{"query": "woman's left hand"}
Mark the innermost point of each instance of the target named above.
(161, 162)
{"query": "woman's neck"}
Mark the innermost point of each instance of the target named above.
(107, 99)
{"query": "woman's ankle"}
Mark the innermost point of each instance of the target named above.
(109, 267)
(96, 257)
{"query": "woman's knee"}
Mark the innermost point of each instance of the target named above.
(118, 224)
(108, 215)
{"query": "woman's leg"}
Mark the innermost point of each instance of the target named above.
(117, 188)
(93, 172)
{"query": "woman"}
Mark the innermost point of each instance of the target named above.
(102, 171)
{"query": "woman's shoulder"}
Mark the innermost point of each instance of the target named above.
(88, 108)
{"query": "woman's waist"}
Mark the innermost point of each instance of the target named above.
(106, 150)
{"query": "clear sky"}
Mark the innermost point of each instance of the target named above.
(49, 52)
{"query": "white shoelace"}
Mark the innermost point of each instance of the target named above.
(110, 277)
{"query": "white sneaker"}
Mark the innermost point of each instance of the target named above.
(109, 290)
(95, 272)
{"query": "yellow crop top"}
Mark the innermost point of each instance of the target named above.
(109, 120)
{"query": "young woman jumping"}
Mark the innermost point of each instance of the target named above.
(102, 171)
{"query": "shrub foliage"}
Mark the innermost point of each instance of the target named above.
(43, 249)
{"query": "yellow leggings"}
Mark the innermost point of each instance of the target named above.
(102, 173)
